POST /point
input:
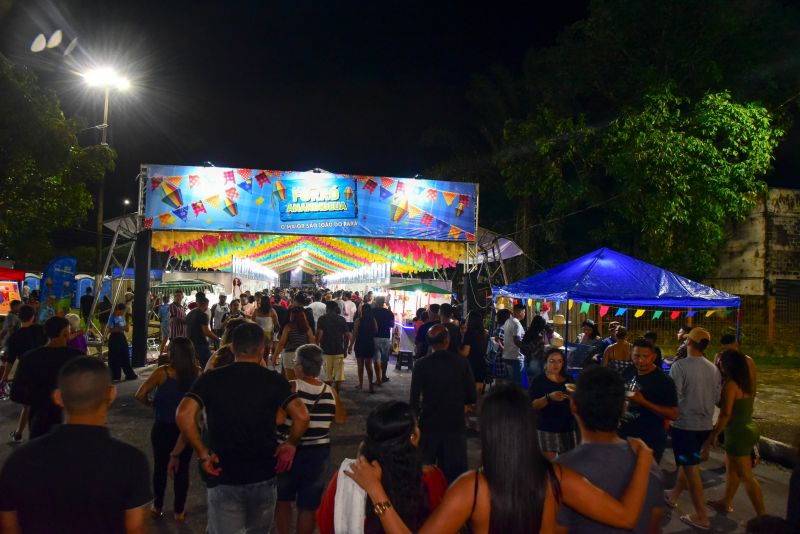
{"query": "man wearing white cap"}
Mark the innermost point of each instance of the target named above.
(698, 384)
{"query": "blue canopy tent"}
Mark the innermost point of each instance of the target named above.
(608, 277)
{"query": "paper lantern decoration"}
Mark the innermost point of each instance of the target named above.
(171, 195)
(230, 208)
(348, 193)
(398, 210)
(280, 190)
(459, 209)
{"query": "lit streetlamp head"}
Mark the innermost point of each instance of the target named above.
(106, 78)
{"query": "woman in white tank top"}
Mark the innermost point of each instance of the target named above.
(267, 319)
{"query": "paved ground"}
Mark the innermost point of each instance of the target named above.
(131, 422)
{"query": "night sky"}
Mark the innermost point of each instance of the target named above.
(344, 86)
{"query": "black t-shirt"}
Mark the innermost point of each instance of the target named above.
(444, 381)
(86, 304)
(556, 416)
(282, 313)
(640, 422)
(241, 400)
(23, 340)
(385, 320)
(477, 342)
(76, 479)
(37, 377)
(333, 328)
(195, 320)
(422, 337)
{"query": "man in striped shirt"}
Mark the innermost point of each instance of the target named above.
(177, 317)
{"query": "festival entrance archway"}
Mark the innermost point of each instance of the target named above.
(316, 221)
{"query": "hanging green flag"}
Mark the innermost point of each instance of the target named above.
(657, 314)
(585, 307)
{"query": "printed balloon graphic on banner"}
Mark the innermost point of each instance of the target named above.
(230, 208)
(171, 195)
(280, 190)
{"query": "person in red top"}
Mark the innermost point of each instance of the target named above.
(416, 490)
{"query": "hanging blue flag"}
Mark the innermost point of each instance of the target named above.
(620, 312)
(181, 212)
(385, 193)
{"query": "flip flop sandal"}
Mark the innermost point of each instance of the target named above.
(668, 502)
(719, 507)
(692, 523)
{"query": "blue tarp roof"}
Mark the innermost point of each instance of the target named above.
(608, 277)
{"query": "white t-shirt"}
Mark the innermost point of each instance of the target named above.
(349, 309)
(511, 329)
(317, 309)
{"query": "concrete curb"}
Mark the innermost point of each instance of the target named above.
(777, 452)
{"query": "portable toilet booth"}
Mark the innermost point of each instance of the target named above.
(33, 280)
(82, 281)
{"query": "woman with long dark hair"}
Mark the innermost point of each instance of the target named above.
(517, 490)
(168, 384)
(416, 490)
(741, 433)
(363, 344)
(295, 333)
(473, 347)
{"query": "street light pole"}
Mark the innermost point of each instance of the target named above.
(107, 79)
(101, 190)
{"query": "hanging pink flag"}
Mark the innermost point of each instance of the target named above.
(604, 310)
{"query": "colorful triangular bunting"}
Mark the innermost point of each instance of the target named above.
(449, 197)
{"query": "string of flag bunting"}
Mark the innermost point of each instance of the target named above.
(604, 310)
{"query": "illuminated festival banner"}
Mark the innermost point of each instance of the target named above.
(216, 199)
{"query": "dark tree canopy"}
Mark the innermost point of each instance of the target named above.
(44, 174)
(648, 127)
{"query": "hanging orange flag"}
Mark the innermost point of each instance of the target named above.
(213, 200)
(709, 313)
(449, 197)
(166, 219)
(413, 211)
(569, 304)
(454, 232)
(174, 180)
(639, 313)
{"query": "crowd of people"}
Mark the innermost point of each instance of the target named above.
(252, 387)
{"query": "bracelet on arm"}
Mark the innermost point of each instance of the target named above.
(381, 507)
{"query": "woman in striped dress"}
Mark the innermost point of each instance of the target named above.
(293, 334)
(304, 483)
